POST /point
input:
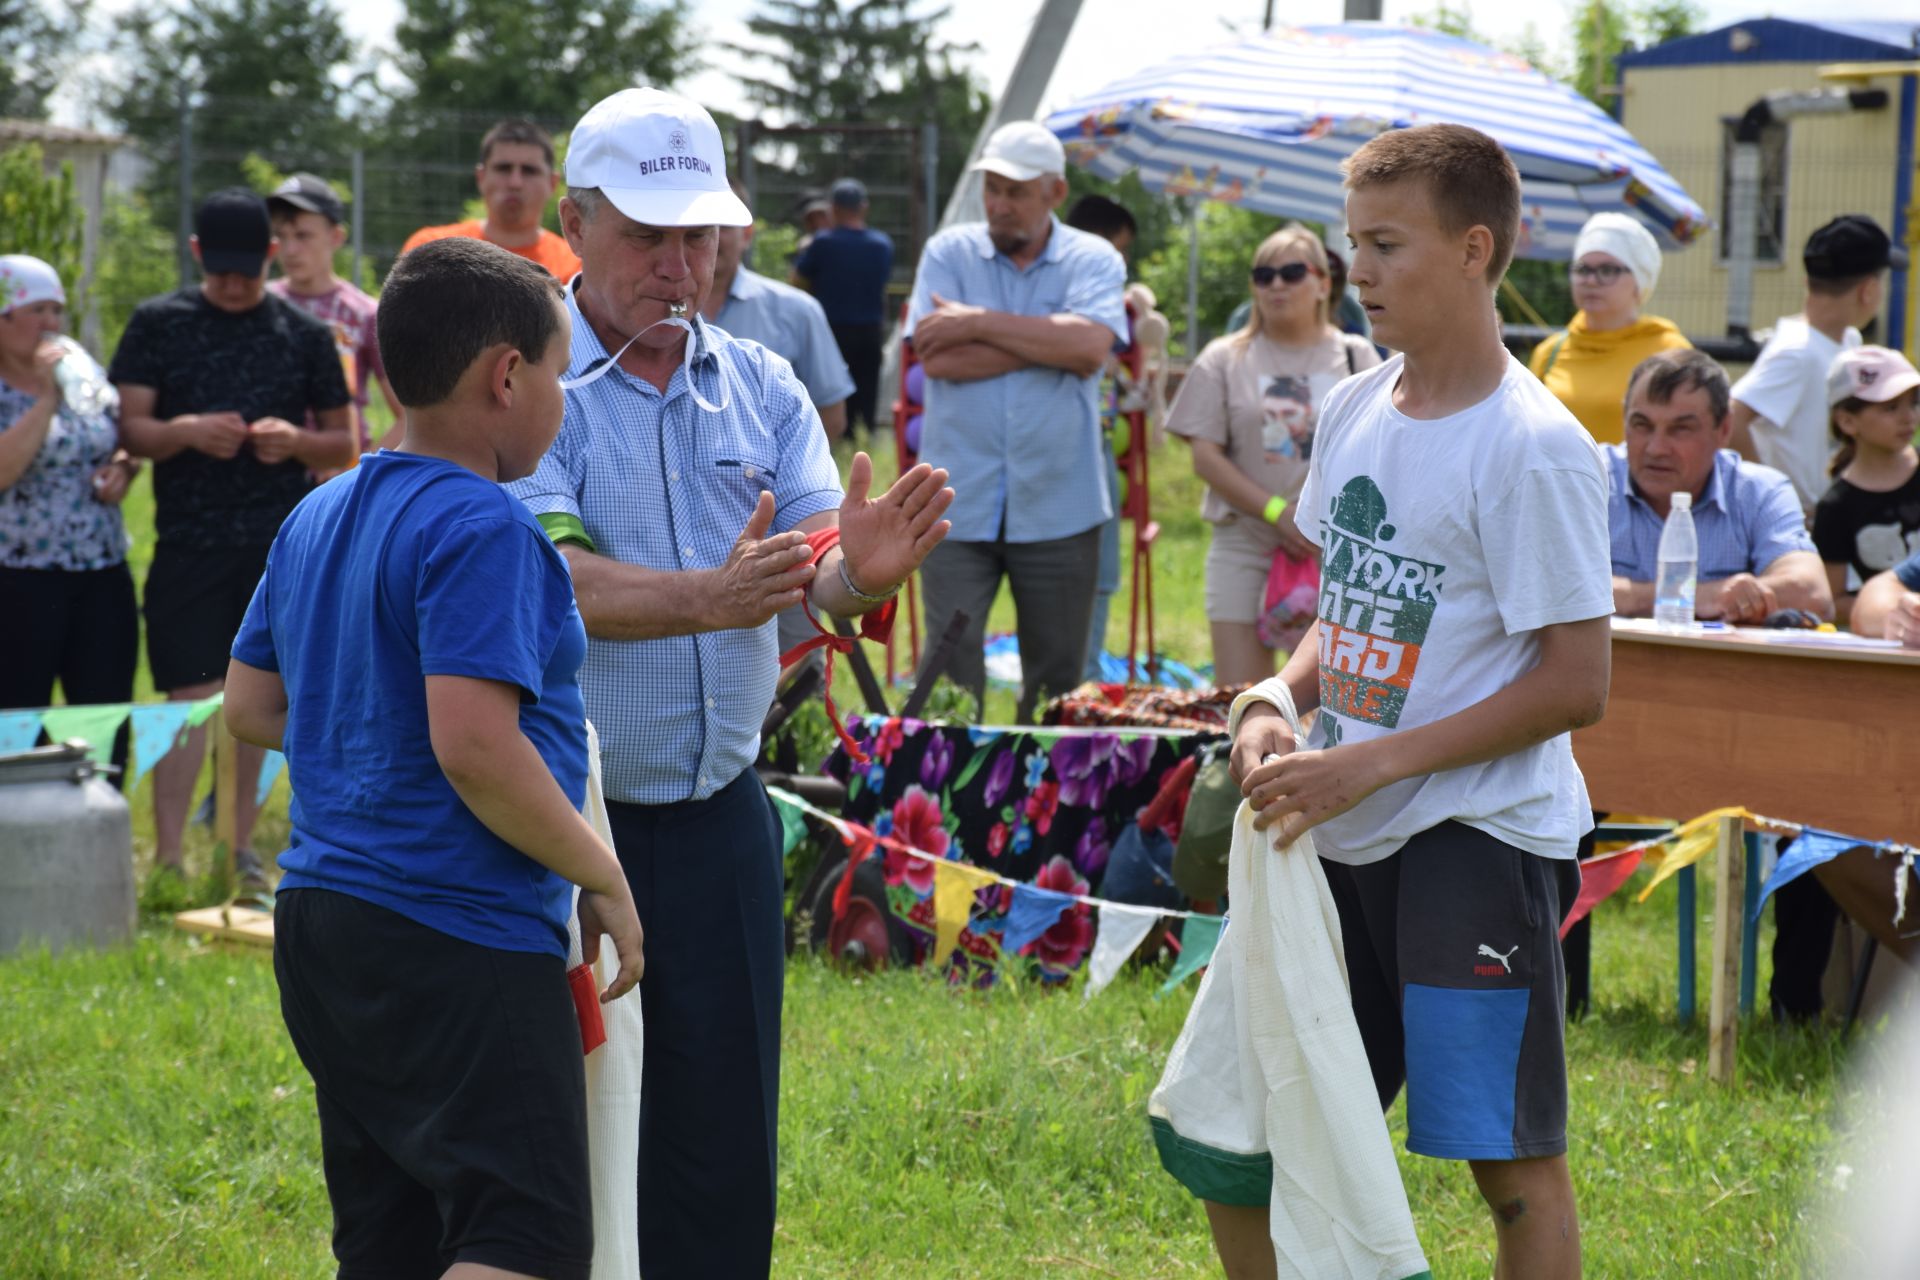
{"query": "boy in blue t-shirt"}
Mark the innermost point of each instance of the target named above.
(414, 649)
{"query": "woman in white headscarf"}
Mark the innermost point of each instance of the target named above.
(1616, 263)
(64, 585)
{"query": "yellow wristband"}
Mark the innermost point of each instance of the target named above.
(1275, 505)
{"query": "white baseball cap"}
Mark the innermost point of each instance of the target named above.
(1022, 151)
(1873, 374)
(657, 156)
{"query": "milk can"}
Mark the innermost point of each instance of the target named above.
(66, 851)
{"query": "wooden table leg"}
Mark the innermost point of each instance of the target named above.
(1723, 1009)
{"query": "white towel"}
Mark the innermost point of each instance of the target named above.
(613, 1085)
(1270, 1066)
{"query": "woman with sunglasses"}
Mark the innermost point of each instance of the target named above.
(1616, 263)
(1248, 408)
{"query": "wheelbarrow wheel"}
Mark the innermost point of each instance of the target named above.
(866, 935)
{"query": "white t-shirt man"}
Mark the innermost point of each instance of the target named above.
(1445, 545)
(1787, 390)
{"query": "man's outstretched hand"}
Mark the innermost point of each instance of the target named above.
(884, 539)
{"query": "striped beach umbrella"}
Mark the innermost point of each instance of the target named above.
(1266, 121)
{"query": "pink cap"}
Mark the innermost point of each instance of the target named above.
(1873, 374)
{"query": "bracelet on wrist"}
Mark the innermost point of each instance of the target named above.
(1275, 506)
(846, 580)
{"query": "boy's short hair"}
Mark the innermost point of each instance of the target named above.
(448, 301)
(1827, 288)
(1471, 178)
(525, 132)
(1668, 371)
(1101, 216)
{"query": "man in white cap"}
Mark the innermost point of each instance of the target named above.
(689, 488)
(1013, 319)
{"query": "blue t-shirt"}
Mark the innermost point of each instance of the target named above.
(848, 269)
(402, 568)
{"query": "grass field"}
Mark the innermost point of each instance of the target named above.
(155, 1122)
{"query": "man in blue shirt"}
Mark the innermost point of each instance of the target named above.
(1013, 319)
(683, 486)
(1888, 605)
(847, 267)
(1755, 555)
(414, 649)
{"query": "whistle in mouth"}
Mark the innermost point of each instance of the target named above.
(677, 310)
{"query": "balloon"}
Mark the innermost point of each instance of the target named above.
(917, 384)
(913, 433)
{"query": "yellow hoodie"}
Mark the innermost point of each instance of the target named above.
(1588, 371)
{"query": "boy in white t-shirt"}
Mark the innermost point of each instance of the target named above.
(1780, 405)
(1461, 514)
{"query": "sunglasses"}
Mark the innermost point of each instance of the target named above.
(1291, 273)
(1602, 272)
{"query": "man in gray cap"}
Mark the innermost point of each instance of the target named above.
(1013, 319)
(847, 268)
(688, 478)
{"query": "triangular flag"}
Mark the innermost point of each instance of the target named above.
(270, 766)
(95, 725)
(793, 826)
(1122, 930)
(1600, 879)
(1198, 938)
(1691, 842)
(1033, 911)
(954, 884)
(156, 726)
(198, 713)
(19, 730)
(1809, 849)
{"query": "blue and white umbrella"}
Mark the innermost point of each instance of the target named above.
(1265, 123)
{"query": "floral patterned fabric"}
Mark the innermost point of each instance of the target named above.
(1035, 806)
(49, 518)
(1120, 706)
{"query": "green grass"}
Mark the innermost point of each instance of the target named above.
(155, 1122)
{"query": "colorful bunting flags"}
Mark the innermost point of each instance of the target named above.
(202, 711)
(1692, 841)
(954, 884)
(1600, 879)
(270, 768)
(1122, 929)
(1198, 939)
(1809, 849)
(1032, 912)
(156, 727)
(95, 725)
(19, 730)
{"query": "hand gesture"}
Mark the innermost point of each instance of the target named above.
(1903, 620)
(1292, 541)
(1303, 789)
(762, 575)
(1263, 732)
(1742, 598)
(218, 435)
(884, 539)
(274, 439)
(613, 915)
(948, 324)
(45, 356)
(110, 483)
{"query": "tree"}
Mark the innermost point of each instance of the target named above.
(41, 213)
(546, 61)
(40, 49)
(862, 62)
(264, 76)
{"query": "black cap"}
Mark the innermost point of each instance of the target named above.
(1851, 245)
(308, 194)
(849, 193)
(234, 232)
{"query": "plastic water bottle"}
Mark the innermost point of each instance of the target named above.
(1679, 566)
(83, 383)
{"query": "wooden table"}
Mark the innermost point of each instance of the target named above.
(1784, 725)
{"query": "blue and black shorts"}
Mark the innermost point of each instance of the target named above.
(1453, 955)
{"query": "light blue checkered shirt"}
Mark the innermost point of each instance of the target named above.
(1747, 518)
(660, 482)
(1023, 448)
(788, 321)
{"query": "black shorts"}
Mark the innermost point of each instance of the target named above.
(451, 1091)
(195, 601)
(1453, 956)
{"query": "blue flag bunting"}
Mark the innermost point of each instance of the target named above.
(19, 730)
(1032, 912)
(1809, 849)
(155, 728)
(270, 767)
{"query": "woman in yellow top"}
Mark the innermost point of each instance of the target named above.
(1616, 263)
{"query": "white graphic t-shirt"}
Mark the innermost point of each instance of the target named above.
(1445, 544)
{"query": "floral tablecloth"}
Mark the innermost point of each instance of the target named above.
(1042, 806)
